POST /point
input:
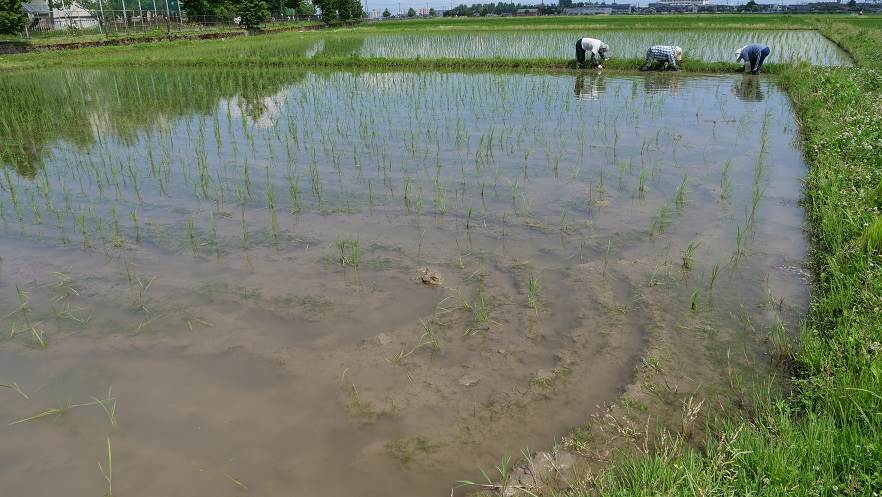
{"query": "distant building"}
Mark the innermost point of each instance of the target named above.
(683, 3)
(598, 9)
(69, 15)
(527, 12)
(586, 11)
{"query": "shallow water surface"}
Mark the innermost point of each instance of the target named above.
(220, 271)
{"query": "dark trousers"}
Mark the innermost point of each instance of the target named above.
(580, 55)
(756, 65)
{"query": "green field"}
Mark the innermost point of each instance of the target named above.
(823, 436)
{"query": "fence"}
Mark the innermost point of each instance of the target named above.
(141, 18)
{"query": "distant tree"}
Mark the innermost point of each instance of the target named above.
(432, 12)
(195, 9)
(852, 4)
(411, 12)
(340, 10)
(12, 17)
(306, 9)
(252, 13)
(386, 13)
(750, 6)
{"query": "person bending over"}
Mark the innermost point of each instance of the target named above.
(753, 56)
(669, 55)
(597, 48)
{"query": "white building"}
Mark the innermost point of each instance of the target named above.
(66, 14)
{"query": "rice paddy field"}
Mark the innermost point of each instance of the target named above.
(791, 46)
(376, 281)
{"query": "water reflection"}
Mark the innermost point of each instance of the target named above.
(749, 88)
(41, 110)
(590, 86)
(664, 82)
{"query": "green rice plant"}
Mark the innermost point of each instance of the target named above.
(108, 404)
(480, 313)
(680, 197)
(350, 252)
(693, 301)
(57, 411)
(134, 217)
(715, 271)
(689, 254)
(294, 194)
(17, 389)
(606, 257)
(641, 187)
(725, 182)
(533, 290)
(245, 238)
(108, 473)
(191, 233)
(139, 290)
(235, 481)
(500, 483)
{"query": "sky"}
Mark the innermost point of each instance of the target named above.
(392, 5)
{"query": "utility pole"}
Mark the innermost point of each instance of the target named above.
(167, 19)
(101, 21)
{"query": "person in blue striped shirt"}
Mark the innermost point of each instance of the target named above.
(753, 56)
(667, 54)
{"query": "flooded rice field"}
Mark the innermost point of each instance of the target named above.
(373, 283)
(788, 46)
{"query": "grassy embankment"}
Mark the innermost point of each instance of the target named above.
(826, 438)
(159, 31)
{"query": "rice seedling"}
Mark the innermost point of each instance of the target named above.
(17, 389)
(533, 290)
(138, 290)
(191, 234)
(108, 473)
(715, 271)
(688, 255)
(680, 197)
(693, 301)
(58, 411)
(108, 404)
(428, 340)
(350, 252)
(641, 187)
(236, 481)
(725, 181)
(606, 257)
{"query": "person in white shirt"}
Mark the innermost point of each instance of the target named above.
(597, 48)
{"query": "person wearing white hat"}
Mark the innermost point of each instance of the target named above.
(597, 48)
(753, 56)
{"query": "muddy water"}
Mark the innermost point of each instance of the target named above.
(226, 284)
